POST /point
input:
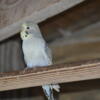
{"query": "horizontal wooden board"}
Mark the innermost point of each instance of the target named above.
(62, 73)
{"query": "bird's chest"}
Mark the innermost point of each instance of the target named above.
(32, 51)
(34, 54)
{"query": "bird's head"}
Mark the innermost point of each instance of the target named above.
(29, 30)
(24, 32)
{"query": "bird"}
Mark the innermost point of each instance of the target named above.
(37, 53)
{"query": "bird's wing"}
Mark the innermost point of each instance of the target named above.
(48, 52)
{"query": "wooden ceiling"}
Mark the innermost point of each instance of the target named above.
(15, 12)
(74, 19)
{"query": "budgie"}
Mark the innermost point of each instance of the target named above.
(37, 53)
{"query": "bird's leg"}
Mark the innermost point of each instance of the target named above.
(25, 69)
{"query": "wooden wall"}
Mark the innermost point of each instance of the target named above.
(11, 55)
(71, 24)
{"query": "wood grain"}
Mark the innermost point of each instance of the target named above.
(14, 12)
(71, 72)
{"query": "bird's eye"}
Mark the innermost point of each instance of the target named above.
(28, 27)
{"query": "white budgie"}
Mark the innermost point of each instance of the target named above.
(37, 53)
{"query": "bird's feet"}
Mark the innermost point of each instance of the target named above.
(24, 70)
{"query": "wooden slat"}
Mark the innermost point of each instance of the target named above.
(62, 73)
(14, 13)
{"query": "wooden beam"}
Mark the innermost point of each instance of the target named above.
(13, 14)
(84, 35)
(85, 70)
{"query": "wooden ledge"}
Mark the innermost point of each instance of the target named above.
(71, 72)
(36, 11)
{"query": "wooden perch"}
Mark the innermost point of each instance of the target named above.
(14, 13)
(85, 70)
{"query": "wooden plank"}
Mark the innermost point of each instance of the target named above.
(74, 28)
(85, 70)
(14, 13)
(84, 35)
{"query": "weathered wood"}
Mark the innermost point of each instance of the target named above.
(84, 22)
(72, 72)
(15, 12)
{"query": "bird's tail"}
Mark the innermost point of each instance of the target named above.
(48, 90)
